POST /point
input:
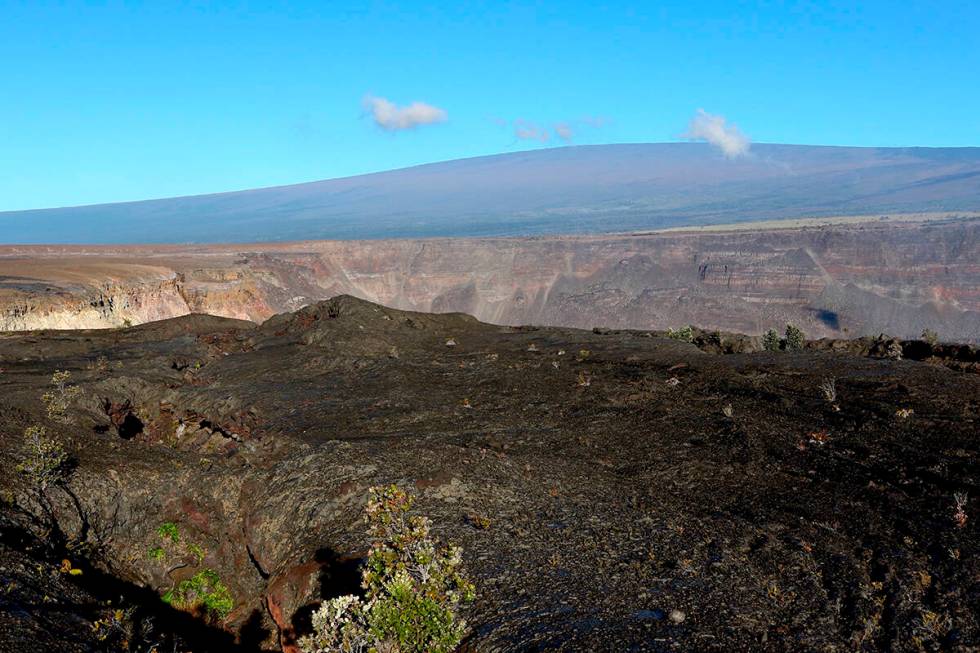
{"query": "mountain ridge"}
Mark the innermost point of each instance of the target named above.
(576, 190)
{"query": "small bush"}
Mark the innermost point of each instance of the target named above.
(894, 351)
(685, 333)
(930, 336)
(770, 340)
(118, 630)
(174, 547)
(412, 589)
(169, 531)
(795, 338)
(829, 389)
(44, 461)
(959, 512)
(58, 401)
(203, 592)
(156, 553)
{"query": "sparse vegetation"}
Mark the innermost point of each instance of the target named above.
(615, 460)
(412, 589)
(44, 459)
(478, 521)
(197, 551)
(828, 388)
(169, 531)
(895, 351)
(156, 553)
(931, 627)
(59, 400)
(959, 510)
(118, 630)
(771, 340)
(795, 338)
(204, 593)
(100, 365)
(685, 333)
(930, 336)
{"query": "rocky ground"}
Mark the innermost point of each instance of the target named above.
(613, 490)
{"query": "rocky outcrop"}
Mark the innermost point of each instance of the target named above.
(598, 481)
(833, 281)
(102, 305)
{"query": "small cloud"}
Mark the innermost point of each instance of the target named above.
(716, 130)
(391, 117)
(528, 131)
(564, 131)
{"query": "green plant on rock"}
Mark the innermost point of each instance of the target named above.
(795, 338)
(169, 531)
(175, 549)
(196, 551)
(685, 333)
(156, 553)
(203, 592)
(413, 588)
(930, 336)
(58, 401)
(771, 340)
(44, 461)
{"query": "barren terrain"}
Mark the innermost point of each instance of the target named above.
(613, 490)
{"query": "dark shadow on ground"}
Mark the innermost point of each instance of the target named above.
(338, 577)
(172, 629)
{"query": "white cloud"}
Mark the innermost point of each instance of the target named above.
(564, 131)
(717, 131)
(392, 117)
(528, 131)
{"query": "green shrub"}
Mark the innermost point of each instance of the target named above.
(169, 531)
(175, 546)
(412, 589)
(685, 333)
(196, 551)
(930, 336)
(59, 400)
(156, 553)
(203, 592)
(795, 338)
(44, 461)
(770, 340)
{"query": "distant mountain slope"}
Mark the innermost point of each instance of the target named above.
(585, 189)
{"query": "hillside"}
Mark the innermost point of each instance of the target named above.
(612, 490)
(569, 190)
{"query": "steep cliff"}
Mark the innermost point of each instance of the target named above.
(841, 280)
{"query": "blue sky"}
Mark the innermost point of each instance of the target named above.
(118, 101)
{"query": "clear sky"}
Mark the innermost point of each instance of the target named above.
(109, 101)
